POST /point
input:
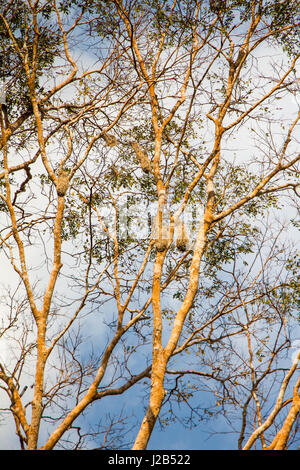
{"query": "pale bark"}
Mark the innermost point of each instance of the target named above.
(278, 406)
(281, 439)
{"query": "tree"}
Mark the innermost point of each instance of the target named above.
(144, 155)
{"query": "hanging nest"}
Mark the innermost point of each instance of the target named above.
(182, 238)
(62, 183)
(162, 236)
(110, 140)
(142, 156)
